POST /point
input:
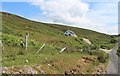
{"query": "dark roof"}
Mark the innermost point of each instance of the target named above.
(70, 31)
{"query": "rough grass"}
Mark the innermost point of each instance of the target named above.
(50, 33)
(60, 62)
(17, 56)
(14, 30)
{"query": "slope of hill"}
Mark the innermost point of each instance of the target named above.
(81, 59)
(48, 33)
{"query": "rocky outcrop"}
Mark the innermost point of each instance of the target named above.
(22, 70)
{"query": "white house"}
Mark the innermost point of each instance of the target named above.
(69, 33)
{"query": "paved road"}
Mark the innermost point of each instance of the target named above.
(119, 58)
(112, 67)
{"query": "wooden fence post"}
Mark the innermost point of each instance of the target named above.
(26, 40)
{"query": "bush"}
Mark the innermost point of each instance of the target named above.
(102, 57)
(79, 40)
(118, 52)
(113, 41)
(85, 49)
(94, 47)
(32, 43)
(21, 52)
(12, 40)
(20, 34)
(105, 47)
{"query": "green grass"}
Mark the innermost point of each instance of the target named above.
(50, 33)
(13, 54)
(63, 62)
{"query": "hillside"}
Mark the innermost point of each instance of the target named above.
(78, 57)
(47, 33)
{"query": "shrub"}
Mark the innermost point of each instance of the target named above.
(20, 34)
(32, 43)
(85, 49)
(79, 40)
(102, 56)
(103, 46)
(12, 40)
(113, 41)
(118, 52)
(20, 52)
(93, 47)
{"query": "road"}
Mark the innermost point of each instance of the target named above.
(112, 67)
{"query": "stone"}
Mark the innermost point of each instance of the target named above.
(98, 73)
(78, 66)
(3, 72)
(82, 60)
(26, 61)
(16, 73)
(49, 64)
(66, 73)
(42, 72)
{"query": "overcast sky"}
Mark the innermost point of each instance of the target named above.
(101, 16)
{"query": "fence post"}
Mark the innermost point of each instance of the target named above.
(26, 40)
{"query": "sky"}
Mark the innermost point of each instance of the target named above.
(100, 16)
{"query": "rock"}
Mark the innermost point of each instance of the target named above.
(98, 73)
(52, 64)
(16, 73)
(82, 73)
(101, 68)
(87, 60)
(74, 70)
(20, 71)
(42, 72)
(5, 68)
(98, 70)
(81, 50)
(3, 72)
(104, 72)
(71, 71)
(66, 73)
(26, 61)
(78, 66)
(49, 65)
(82, 60)
(78, 71)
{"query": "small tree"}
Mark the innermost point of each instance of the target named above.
(102, 57)
(113, 41)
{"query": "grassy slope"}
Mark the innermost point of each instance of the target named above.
(52, 35)
(60, 62)
(48, 33)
